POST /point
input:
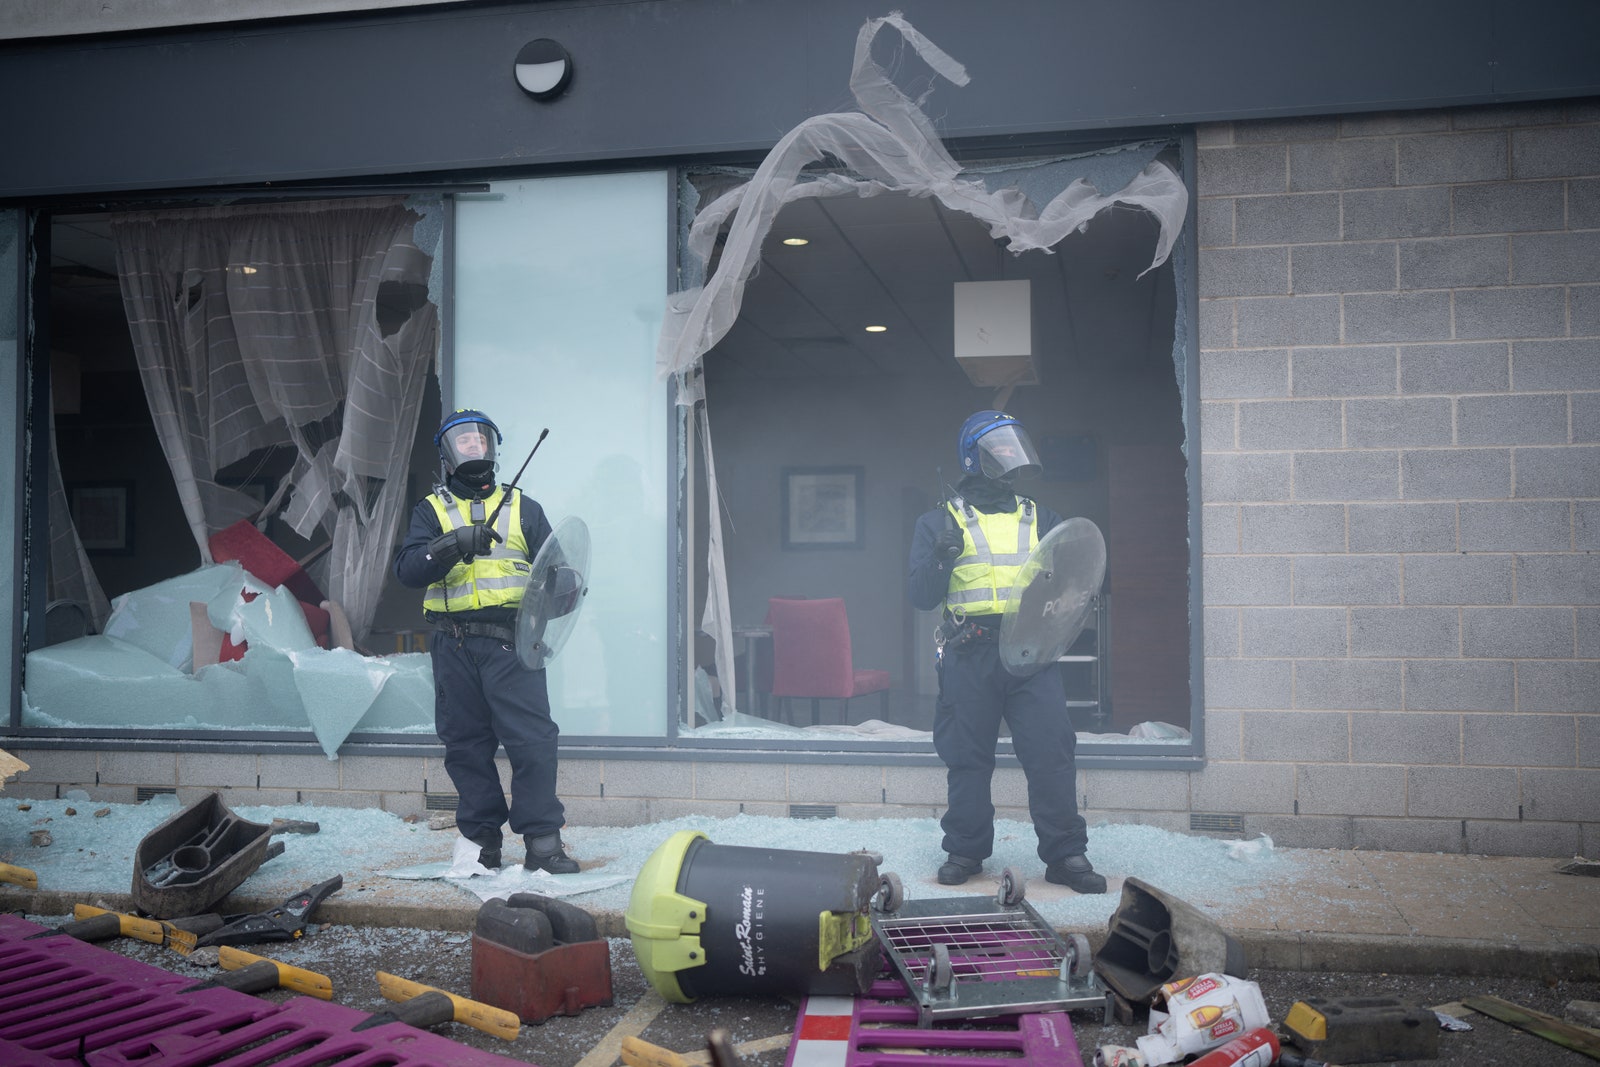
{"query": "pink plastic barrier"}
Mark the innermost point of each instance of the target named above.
(830, 1032)
(67, 1002)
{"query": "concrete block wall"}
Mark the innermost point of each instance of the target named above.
(1400, 391)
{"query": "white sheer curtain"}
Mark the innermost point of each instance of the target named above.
(305, 325)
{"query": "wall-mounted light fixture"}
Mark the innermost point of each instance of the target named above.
(543, 69)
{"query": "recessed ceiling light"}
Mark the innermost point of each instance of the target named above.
(877, 329)
(795, 242)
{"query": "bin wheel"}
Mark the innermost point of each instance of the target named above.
(891, 894)
(941, 975)
(1012, 888)
(1077, 963)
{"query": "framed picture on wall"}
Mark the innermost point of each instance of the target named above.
(102, 512)
(822, 507)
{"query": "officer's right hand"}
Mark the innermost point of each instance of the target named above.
(948, 544)
(474, 540)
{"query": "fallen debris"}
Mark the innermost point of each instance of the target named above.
(250, 973)
(421, 1008)
(1362, 1029)
(1578, 1038)
(1579, 865)
(536, 956)
(90, 923)
(1584, 1012)
(1155, 937)
(1200, 1014)
(23, 876)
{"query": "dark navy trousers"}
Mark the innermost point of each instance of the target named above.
(977, 693)
(484, 698)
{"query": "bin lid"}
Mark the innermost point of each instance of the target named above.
(663, 924)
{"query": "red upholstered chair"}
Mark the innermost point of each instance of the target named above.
(762, 655)
(811, 657)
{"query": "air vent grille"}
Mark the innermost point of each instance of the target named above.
(1221, 824)
(145, 792)
(439, 801)
(813, 811)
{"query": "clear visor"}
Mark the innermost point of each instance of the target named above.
(1006, 452)
(468, 441)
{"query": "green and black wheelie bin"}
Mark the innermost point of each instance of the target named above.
(710, 919)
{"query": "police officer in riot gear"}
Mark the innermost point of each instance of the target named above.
(965, 558)
(474, 574)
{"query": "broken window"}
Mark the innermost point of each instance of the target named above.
(236, 393)
(817, 330)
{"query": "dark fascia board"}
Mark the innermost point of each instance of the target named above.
(431, 91)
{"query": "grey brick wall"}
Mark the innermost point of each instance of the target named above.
(1404, 343)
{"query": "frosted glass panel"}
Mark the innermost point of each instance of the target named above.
(560, 289)
(10, 241)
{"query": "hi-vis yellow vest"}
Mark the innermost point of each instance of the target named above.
(495, 580)
(984, 576)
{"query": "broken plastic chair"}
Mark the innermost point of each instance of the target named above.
(1154, 937)
(194, 859)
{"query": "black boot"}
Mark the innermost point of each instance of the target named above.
(1076, 873)
(490, 858)
(545, 854)
(957, 869)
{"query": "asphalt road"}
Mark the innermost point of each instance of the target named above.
(350, 956)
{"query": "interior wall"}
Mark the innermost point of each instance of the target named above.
(104, 434)
(903, 432)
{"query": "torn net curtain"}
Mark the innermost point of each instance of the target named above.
(304, 325)
(889, 147)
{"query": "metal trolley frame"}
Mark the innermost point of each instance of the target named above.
(965, 957)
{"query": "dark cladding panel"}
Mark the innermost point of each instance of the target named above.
(419, 92)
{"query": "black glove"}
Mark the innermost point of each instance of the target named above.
(948, 545)
(461, 544)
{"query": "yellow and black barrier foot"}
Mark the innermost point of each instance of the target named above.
(496, 1022)
(90, 923)
(22, 876)
(637, 1052)
(249, 973)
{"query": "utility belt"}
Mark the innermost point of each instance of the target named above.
(956, 631)
(502, 632)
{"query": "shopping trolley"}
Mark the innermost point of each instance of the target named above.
(964, 957)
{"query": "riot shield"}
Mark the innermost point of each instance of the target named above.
(1059, 586)
(556, 589)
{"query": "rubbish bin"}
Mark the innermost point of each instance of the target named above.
(711, 919)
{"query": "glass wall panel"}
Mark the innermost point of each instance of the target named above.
(560, 286)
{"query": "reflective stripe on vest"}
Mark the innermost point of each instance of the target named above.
(984, 576)
(495, 580)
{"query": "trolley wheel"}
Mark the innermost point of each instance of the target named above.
(1077, 963)
(941, 974)
(891, 894)
(1012, 888)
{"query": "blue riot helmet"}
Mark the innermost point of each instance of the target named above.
(467, 440)
(995, 445)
